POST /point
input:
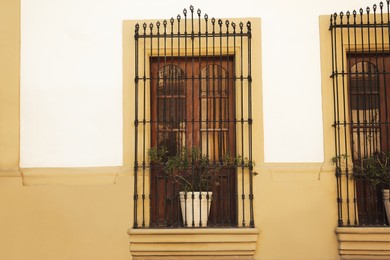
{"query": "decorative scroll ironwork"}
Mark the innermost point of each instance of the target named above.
(193, 90)
(361, 81)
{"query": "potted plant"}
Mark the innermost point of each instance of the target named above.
(376, 170)
(195, 175)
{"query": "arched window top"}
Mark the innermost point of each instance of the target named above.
(212, 71)
(364, 84)
(170, 71)
(214, 79)
(363, 68)
(171, 80)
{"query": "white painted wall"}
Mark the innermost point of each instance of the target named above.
(71, 75)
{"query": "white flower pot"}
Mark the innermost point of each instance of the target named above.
(386, 202)
(195, 210)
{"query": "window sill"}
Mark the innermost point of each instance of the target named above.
(361, 243)
(233, 243)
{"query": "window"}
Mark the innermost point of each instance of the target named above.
(361, 95)
(193, 107)
(364, 105)
(368, 108)
(193, 87)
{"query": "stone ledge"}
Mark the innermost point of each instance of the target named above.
(71, 175)
(363, 243)
(10, 173)
(202, 243)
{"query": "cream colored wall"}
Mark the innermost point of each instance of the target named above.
(297, 212)
(52, 222)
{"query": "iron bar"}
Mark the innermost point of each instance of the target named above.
(136, 79)
(250, 155)
(241, 25)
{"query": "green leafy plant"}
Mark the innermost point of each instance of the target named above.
(339, 158)
(191, 169)
(375, 169)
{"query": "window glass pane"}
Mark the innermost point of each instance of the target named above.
(171, 108)
(214, 111)
(364, 99)
(364, 86)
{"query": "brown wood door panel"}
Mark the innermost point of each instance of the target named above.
(192, 105)
(381, 62)
(370, 131)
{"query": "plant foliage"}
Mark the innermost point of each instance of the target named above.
(375, 169)
(191, 169)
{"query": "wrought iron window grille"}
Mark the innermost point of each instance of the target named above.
(193, 90)
(360, 76)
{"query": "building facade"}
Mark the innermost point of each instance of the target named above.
(203, 82)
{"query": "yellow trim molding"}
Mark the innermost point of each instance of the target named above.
(287, 172)
(9, 86)
(363, 243)
(239, 243)
(72, 176)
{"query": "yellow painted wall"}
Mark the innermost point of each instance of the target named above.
(296, 212)
(295, 203)
(9, 85)
(71, 218)
(50, 222)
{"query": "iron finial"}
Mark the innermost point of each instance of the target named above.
(213, 19)
(199, 12)
(191, 8)
(172, 20)
(185, 12)
(374, 7)
(368, 9)
(361, 10)
(178, 17)
(206, 17)
(381, 5)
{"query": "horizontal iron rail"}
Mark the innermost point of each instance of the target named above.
(189, 36)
